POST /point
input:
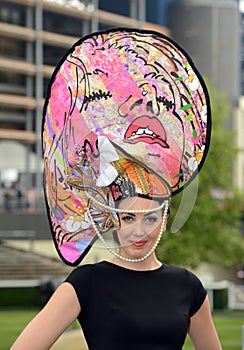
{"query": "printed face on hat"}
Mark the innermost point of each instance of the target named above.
(132, 101)
(141, 93)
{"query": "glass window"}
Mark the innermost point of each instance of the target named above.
(52, 55)
(112, 6)
(58, 23)
(12, 118)
(12, 83)
(13, 13)
(12, 48)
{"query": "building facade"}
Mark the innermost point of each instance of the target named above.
(203, 28)
(34, 37)
(35, 34)
(213, 34)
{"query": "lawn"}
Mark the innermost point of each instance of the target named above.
(229, 328)
(12, 323)
(228, 325)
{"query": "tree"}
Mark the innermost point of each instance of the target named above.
(212, 232)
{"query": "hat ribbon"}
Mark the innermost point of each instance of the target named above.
(107, 154)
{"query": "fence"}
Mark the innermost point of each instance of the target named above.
(236, 297)
(20, 234)
(225, 295)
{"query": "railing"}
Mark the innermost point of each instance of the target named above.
(19, 283)
(242, 337)
(236, 297)
(20, 234)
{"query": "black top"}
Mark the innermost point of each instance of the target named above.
(123, 309)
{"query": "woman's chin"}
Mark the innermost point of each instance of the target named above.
(134, 252)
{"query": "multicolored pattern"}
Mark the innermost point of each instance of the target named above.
(131, 180)
(141, 91)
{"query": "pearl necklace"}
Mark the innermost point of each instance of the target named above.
(163, 226)
(117, 210)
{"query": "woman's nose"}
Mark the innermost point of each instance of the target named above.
(139, 229)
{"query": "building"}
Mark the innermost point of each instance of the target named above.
(218, 52)
(35, 34)
(203, 28)
(239, 116)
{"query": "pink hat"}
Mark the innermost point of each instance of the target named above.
(120, 100)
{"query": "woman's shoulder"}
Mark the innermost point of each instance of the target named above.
(175, 269)
(182, 272)
(86, 269)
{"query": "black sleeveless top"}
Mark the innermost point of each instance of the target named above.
(123, 309)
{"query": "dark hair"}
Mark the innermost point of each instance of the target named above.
(116, 237)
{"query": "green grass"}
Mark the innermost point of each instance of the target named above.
(12, 323)
(229, 328)
(228, 325)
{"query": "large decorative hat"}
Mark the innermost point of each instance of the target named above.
(126, 112)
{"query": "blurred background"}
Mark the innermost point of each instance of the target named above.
(35, 34)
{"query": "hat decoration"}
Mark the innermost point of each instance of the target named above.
(126, 112)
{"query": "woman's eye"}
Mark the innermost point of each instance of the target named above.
(127, 218)
(151, 219)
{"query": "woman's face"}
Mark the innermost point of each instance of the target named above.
(138, 231)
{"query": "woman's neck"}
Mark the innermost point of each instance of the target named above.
(151, 263)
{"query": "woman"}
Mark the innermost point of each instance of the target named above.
(134, 301)
(126, 125)
(131, 307)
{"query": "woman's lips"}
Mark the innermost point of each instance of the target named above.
(139, 243)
